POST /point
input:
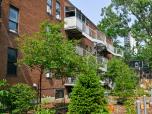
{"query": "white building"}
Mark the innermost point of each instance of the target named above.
(130, 42)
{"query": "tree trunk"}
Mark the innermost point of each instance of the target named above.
(40, 86)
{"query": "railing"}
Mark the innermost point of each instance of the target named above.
(119, 52)
(110, 48)
(70, 81)
(102, 61)
(81, 51)
(81, 23)
(75, 22)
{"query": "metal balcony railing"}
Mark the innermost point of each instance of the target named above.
(102, 61)
(110, 48)
(115, 51)
(82, 52)
(70, 81)
(74, 19)
(119, 52)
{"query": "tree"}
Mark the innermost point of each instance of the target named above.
(47, 50)
(124, 78)
(122, 17)
(16, 99)
(87, 95)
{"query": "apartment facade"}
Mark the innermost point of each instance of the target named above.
(131, 43)
(19, 17)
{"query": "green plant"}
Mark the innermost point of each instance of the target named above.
(40, 110)
(16, 99)
(130, 105)
(4, 95)
(21, 96)
(87, 96)
(124, 78)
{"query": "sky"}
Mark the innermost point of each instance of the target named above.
(91, 8)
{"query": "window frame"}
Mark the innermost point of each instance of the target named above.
(58, 9)
(12, 62)
(59, 90)
(16, 22)
(49, 7)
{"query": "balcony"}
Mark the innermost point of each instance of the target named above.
(76, 23)
(102, 61)
(115, 51)
(70, 81)
(110, 48)
(118, 52)
(82, 52)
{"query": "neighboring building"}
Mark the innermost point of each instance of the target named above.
(18, 17)
(130, 43)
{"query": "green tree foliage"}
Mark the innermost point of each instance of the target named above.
(124, 78)
(128, 16)
(88, 96)
(48, 49)
(146, 55)
(16, 99)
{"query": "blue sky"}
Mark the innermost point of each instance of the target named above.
(91, 8)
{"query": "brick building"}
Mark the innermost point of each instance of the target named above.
(19, 17)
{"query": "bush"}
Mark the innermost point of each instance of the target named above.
(87, 96)
(40, 110)
(16, 99)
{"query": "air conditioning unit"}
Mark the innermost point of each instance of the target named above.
(49, 75)
(35, 85)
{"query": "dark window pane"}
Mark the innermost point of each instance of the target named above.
(11, 61)
(70, 14)
(11, 68)
(59, 93)
(12, 55)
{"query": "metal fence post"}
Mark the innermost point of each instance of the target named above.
(145, 105)
(138, 106)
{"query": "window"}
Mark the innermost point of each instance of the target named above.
(58, 9)
(13, 19)
(49, 7)
(11, 61)
(59, 93)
